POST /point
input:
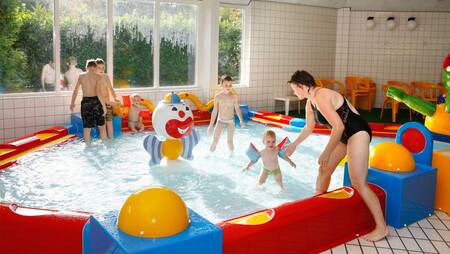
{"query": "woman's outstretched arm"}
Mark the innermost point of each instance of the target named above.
(307, 130)
(323, 102)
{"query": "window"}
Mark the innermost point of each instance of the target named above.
(178, 40)
(133, 43)
(83, 26)
(231, 28)
(139, 57)
(27, 46)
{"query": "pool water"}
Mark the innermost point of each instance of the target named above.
(99, 178)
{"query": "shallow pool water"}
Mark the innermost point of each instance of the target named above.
(99, 178)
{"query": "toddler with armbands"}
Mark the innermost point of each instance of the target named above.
(269, 157)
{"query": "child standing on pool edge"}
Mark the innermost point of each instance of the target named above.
(269, 157)
(225, 103)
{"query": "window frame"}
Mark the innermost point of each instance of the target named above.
(244, 67)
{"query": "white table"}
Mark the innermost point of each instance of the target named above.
(287, 100)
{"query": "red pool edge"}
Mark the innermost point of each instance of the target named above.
(309, 226)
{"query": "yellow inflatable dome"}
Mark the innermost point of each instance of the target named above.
(391, 156)
(153, 212)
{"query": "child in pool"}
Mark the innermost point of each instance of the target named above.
(225, 103)
(134, 119)
(269, 157)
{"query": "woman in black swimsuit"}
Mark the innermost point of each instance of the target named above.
(350, 135)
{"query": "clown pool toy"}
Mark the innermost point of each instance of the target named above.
(173, 122)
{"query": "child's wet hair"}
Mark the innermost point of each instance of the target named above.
(225, 78)
(90, 63)
(269, 133)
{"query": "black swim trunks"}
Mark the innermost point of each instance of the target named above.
(92, 112)
(353, 122)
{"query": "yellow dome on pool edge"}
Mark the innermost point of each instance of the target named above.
(391, 156)
(153, 212)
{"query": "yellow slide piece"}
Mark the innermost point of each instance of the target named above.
(6, 150)
(343, 161)
(255, 219)
(338, 194)
(15, 157)
(198, 104)
(45, 136)
(148, 104)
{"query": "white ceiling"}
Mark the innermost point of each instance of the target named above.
(369, 5)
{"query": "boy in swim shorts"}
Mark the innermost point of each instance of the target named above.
(135, 122)
(269, 157)
(108, 95)
(93, 107)
(225, 103)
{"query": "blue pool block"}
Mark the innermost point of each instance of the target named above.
(77, 126)
(409, 196)
(245, 113)
(101, 235)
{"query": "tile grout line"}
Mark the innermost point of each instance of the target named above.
(448, 245)
(415, 240)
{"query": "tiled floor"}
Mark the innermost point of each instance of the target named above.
(431, 235)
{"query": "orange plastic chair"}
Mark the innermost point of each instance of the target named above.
(405, 87)
(332, 83)
(359, 87)
(426, 90)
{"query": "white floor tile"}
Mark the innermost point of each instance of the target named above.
(417, 233)
(414, 225)
(353, 249)
(425, 224)
(369, 250)
(326, 252)
(426, 246)
(365, 243)
(395, 242)
(410, 244)
(339, 250)
(384, 251)
(354, 242)
(432, 234)
(404, 232)
(442, 247)
(392, 231)
(437, 224)
(447, 223)
(442, 215)
(400, 252)
(382, 243)
(445, 234)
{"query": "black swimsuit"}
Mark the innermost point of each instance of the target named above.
(353, 122)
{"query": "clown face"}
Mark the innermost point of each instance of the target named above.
(172, 120)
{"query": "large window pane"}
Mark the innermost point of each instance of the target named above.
(26, 45)
(230, 42)
(133, 47)
(178, 41)
(83, 26)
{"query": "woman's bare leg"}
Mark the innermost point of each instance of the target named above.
(324, 177)
(110, 129)
(103, 134)
(216, 136)
(358, 157)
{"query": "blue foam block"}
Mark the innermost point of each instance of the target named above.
(77, 126)
(245, 113)
(101, 235)
(409, 196)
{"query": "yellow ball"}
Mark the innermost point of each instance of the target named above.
(153, 212)
(172, 149)
(391, 156)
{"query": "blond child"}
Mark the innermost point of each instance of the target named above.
(269, 157)
(225, 104)
(135, 122)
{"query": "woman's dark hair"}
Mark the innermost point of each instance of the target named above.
(225, 78)
(302, 78)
